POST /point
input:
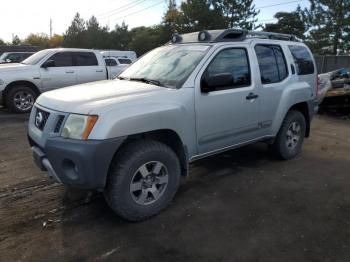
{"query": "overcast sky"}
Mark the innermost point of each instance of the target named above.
(22, 17)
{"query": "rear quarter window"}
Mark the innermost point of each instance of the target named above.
(302, 59)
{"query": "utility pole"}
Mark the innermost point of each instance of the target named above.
(50, 28)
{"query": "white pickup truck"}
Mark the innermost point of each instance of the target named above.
(21, 84)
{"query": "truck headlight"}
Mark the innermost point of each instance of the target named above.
(78, 126)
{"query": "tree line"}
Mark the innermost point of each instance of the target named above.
(324, 26)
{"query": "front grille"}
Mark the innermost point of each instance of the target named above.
(40, 119)
(59, 123)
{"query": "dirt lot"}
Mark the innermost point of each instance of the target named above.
(239, 206)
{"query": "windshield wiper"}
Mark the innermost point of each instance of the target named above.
(143, 80)
(146, 80)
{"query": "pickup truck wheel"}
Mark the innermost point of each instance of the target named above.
(291, 135)
(20, 99)
(143, 180)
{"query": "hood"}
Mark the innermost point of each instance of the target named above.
(90, 97)
(8, 67)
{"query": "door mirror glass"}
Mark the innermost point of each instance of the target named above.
(48, 63)
(216, 81)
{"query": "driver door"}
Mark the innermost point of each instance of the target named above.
(227, 115)
(60, 73)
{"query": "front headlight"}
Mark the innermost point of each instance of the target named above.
(78, 126)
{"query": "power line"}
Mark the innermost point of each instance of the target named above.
(121, 8)
(139, 11)
(286, 3)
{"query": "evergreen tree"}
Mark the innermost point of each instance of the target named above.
(16, 40)
(239, 13)
(329, 23)
(120, 37)
(196, 15)
(288, 23)
(74, 36)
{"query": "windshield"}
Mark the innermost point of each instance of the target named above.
(3, 56)
(36, 58)
(170, 66)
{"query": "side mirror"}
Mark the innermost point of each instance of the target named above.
(216, 81)
(48, 63)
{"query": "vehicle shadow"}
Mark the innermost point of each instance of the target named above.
(91, 216)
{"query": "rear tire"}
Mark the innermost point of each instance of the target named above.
(290, 137)
(20, 99)
(143, 180)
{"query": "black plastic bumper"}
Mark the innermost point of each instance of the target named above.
(77, 163)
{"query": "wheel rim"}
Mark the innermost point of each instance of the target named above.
(23, 100)
(149, 183)
(293, 135)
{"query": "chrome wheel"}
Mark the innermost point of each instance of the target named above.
(293, 135)
(149, 183)
(23, 100)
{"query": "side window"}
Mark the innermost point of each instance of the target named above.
(124, 61)
(62, 59)
(110, 62)
(272, 64)
(302, 60)
(86, 59)
(232, 62)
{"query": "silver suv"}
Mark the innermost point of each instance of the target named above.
(201, 94)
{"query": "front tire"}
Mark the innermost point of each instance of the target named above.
(20, 99)
(143, 180)
(290, 137)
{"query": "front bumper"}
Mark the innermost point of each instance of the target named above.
(83, 164)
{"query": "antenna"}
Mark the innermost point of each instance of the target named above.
(50, 28)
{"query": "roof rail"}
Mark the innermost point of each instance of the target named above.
(228, 35)
(269, 35)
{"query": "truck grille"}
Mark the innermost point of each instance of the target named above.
(40, 119)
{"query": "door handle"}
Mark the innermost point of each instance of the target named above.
(251, 96)
(99, 71)
(70, 71)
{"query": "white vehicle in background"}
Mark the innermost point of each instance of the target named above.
(14, 57)
(128, 55)
(21, 84)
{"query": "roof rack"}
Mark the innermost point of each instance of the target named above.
(228, 35)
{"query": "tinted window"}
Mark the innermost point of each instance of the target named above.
(86, 59)
(124, 61)
(14, 57)
(110, 62)
(62, 59)
(231, 61)
(302, 60)
(272, 64)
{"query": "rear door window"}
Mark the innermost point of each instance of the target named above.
(302, 59)
(272, 64)
(85, 59)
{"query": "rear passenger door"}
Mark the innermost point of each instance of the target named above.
(61, 73)
(226, 115)
(88, 68)
(274, 79)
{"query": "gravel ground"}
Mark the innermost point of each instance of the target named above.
(242, 205)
